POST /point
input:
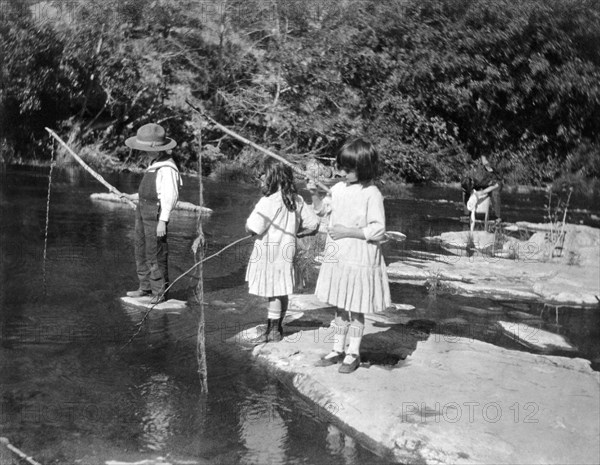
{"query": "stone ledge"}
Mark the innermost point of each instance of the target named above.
(453, 401)
(499, 278)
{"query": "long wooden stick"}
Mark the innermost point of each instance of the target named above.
(258, 147)
(110, 187)
(18, 452)
(200, 337)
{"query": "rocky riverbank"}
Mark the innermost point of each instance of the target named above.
(517, 269)
(434, 393)
(426, 395)
(423, 397)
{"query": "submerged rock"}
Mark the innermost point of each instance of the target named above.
(523, 316)
(535, 337)
(481, 311)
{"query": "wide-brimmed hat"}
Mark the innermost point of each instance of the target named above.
(151, 138)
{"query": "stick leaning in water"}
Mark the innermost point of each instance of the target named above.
(111, 188)
(258, 147)
(19, 453)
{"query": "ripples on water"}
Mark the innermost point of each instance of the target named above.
(71, 393)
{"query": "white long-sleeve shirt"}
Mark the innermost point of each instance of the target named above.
(168, 181)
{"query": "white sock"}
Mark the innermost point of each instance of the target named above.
(274, 311)
(354, 339)
(339, 339)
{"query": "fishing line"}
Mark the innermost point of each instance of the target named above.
(145, 317)
(52, 163)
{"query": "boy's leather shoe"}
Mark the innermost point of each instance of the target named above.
(139, 293)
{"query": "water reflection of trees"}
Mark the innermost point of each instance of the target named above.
(158, 411)
(262, 430)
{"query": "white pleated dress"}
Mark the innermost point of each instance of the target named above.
(270, 271)
(353, 274)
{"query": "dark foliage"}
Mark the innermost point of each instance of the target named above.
(434, 83)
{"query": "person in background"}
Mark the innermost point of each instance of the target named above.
(276, 220)
(353, 275)
(158, 194)
(484, 181)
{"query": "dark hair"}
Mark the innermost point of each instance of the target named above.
(360, 155)
(280, 176)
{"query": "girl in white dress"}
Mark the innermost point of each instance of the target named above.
(353, 275)
(276, 219)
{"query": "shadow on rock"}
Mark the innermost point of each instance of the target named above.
(314, 319)
(398, 342)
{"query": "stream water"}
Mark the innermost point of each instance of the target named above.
(72, 391)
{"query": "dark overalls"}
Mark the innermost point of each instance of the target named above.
(151, 252)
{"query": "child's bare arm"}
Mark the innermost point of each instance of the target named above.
(316, 200)
(338, 231)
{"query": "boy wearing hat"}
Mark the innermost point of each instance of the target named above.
(158, 193)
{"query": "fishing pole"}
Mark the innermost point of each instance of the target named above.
(109, 186)
(258, 147)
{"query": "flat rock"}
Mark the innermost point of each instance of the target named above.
(522, 315)
(180, 206)
(481, 311)
(143, 303)
(449, 400)
(248, 334)
(457, 321)
(530, 336)
(500, 279)
(305, 302)
(402, 307)
(387, 318)
(462, 239)
(221, 303)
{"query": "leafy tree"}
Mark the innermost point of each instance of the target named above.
(432, 82)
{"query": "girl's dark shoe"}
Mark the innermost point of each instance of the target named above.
(261, 338)
(331, 358)
(268, 334)
(263, 333)
(277, 336)
(350, 363)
